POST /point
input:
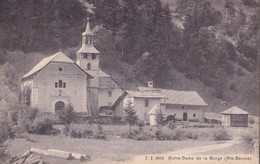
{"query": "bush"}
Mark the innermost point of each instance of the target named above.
(26, 118)
(42, 124)
(86, 131)
(142, 136)
(6, 132)
(191, 135)
(67, 115)
(141, 125)
(221, 134)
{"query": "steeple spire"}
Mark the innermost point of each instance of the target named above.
(88, 31)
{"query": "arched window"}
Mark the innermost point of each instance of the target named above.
(60, 83)
(89, 66)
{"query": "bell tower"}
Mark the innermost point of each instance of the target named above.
(88, 59)
(88, 55)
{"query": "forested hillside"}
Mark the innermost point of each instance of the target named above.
(208, 46)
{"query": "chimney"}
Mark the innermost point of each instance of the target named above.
(150, 84)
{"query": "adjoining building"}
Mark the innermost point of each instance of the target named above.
(234, 117)
(184, 105)
(148, 101)
(143, 102)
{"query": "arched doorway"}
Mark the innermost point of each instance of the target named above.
(59, 106)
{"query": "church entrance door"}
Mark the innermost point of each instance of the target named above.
(59, 106)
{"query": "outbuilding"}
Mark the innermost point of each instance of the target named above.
(154, 112)
(234, 117)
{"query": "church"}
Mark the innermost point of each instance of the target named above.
(57, 81)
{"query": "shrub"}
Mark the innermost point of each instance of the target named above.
(191, 135)
(141, 125)
(171, 125)
(142, 136)
(86, 131)
(42, 124)
(67, 115)
(26, 118)
(6, 132)
(221, 134)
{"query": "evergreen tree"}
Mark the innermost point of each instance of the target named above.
(130, 113)
(160, 118)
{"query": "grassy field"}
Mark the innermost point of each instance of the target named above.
(115, 148)
(111, 149)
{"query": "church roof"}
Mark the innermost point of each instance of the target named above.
(88, 49)
(58, 57)
(234, 110)
(88, 31)
(156, 109)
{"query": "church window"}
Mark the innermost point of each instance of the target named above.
(60, 83)
(94, 56)
(64, 85)
(89, 66)
(85, 56)
(109, 93)
(146, 102)
(56, 85)
(60, 69)
(194, 115)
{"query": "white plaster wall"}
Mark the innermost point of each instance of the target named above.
(190, 110)
(47, 95)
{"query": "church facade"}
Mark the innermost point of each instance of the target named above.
(57, 81)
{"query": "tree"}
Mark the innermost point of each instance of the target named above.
(160, 118)
(67, 115)
(130, 113)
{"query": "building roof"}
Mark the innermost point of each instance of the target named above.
(88, 49)
(177, 97)
(88, 31)
(144, 94)
(58, 57)
(156, 109)
(234, 110)
(139, 94)
(183, 97)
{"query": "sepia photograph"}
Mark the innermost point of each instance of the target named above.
(129, 81)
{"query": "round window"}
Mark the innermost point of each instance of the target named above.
(60, 69)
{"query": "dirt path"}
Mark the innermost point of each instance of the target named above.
(180, 155)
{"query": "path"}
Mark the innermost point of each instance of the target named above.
(189, 153)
